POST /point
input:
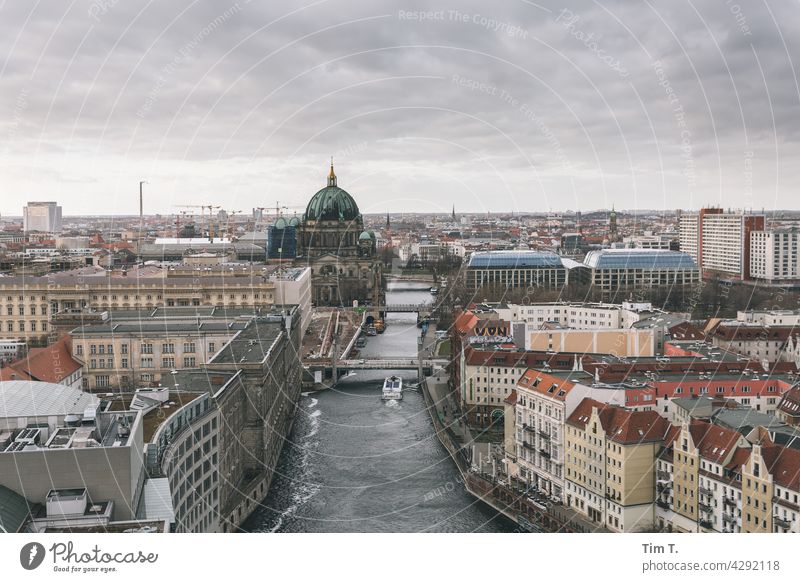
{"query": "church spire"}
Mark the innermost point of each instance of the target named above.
(332, 175)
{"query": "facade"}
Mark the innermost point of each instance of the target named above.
(614, 270)
(341, 254)
(764, 343)
(774, 256)
(719, 242)
(27, 304)
(42, 217)
(618, 342)
(544, 402)
(128, 354)
(610, 464)
(218, 452)
(282, 239)
(515, 270)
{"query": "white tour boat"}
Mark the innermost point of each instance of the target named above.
(392, 388)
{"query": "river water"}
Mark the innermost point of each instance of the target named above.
(357, 464)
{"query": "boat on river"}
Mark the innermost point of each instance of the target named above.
(392, 388)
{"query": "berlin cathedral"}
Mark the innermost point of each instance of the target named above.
(342, 255)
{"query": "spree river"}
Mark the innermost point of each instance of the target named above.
(357, 464)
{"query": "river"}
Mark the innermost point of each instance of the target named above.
(357, 464)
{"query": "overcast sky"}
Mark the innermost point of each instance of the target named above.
(488, 106)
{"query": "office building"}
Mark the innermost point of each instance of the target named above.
(42, 217)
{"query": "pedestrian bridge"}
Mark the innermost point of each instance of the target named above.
(389, 364)
(400, 308)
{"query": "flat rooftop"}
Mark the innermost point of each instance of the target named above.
(252, 344)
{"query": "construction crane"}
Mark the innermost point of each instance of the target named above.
(202, 207)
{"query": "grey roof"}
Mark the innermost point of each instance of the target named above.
(514, 259)
(27, 398)
(14, 510)
(157, 500)
(639, 259)
(745, 419)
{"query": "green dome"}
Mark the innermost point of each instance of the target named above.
(364, 236)
(280, 223)
(294, 221)
(332, 203)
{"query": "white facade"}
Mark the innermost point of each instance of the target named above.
(774, 255)
(540, 424)
(42, 216)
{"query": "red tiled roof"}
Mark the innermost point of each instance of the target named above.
(754, 332)
(621, 424)
(465, 321)
(790, 403)
(545, 384)
(50, 364)
(529, 359)
(739, 458)
(713, 442)
(784, 465)
(511, 399)
(686, 331)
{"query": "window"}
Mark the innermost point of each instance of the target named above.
(102, 381)
(189, 347)
(168, 348)
(147, 349)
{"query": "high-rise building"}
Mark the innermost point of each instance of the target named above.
(774, 255)
(42, 217)
(720, 241)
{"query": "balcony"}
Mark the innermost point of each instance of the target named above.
(663, 475)
(705, 491)
(528, 428)
(661, 487)
(544, 435)
(782, 522)
(728, 517)
(705, 524)
(730, 501)
(529, 446)
(704, 508)
(544, 453)
(663, 504)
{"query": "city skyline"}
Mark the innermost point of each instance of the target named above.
(547, 107)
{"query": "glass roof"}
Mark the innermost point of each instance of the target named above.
(639, 259)
(511, 259)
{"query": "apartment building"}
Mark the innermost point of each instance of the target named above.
(764, 343)
(720, 242)
(544, 402)
(578, 315)
(685, 503)
(487, 376)
(611, 462)
(774, 255)
(769, 316)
